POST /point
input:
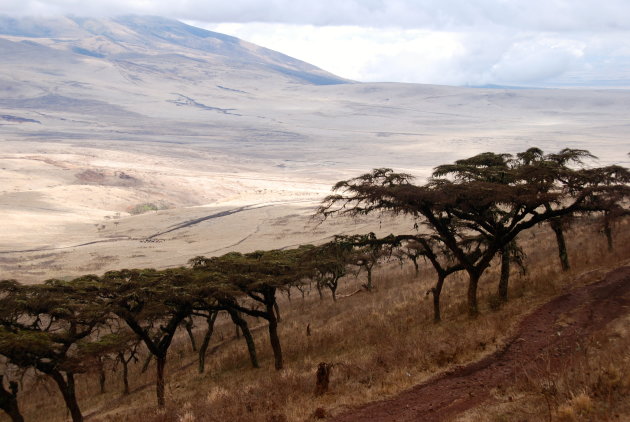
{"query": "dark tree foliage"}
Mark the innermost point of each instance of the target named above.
(368, 250)
(327, 264)
(607, 187)
(42, 327)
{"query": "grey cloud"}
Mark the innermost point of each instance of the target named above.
(547, 15)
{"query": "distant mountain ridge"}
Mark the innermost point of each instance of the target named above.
(131, 37)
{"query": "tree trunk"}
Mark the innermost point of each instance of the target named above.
(101, 378)
(273, 338)
(437, 291)
(67, 388)
(473, 307)
(319, 290)
(608, 232)
(125, 366)
(333, 290)
(415, 266)
(206, 341)
(8, 401)
(322, 378)
(159, 380)
(189, 326)
(249, 339)
(556, 226)
(505, 275)
(368, 286)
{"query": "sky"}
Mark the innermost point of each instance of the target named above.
(452, 42)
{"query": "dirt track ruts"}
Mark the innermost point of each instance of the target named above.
(539, 339)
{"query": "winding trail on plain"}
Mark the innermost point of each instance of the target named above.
(546, 337)
(175, 227)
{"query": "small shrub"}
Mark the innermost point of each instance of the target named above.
(582, 403)
(566, 413)
(494, 302)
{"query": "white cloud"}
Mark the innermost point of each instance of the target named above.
(497, 56)
(537, 59)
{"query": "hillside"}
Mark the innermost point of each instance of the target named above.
(552, 352)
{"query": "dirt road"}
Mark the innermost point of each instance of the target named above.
(548, 335)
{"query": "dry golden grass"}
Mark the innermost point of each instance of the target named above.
(380, 343)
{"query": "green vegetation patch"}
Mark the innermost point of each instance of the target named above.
(148, 206)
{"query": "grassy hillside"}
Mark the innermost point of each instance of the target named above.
(379, 343)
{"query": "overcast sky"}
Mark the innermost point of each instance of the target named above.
(455, 42)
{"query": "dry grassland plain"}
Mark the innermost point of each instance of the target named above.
(87, 198)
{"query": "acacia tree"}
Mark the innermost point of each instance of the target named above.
(368, 251)
(213, 295)
(42, 326)
(241, 323)
(210, 316)
(497, 168)
(8, 396)
(189, 325)
(364, 251)
(126, 352)
(608, 186)
(327, 264)
(432, 249)
(256, 276)
(494, 209)
(612, 202)
(535, 159)
(410, 250)
(153, 304)
(113, 342)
